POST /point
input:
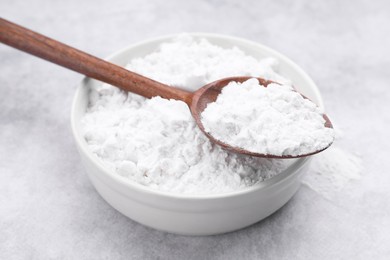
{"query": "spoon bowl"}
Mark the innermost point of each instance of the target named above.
(209, 93)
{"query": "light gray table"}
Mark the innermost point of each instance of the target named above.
(48, 208)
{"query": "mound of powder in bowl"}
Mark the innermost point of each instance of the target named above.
(155, 142)
(272, 120)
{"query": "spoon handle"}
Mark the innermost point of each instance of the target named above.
(56, 52)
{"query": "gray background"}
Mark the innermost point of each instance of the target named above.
(48, 208)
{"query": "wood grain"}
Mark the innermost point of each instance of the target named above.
(79, 61)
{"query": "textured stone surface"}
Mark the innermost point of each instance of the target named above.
(48, 207)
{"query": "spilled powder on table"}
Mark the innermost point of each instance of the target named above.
(333, 170)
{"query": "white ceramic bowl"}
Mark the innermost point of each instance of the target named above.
(193, 214)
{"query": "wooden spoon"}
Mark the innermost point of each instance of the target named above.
(41, 46)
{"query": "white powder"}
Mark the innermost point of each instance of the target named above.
(273, 120)
(190, 64)
(155, 142)
(332, 170)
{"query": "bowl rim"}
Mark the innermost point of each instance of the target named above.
(289, 172)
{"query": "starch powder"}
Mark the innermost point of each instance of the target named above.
(155, 142)
(333, 170)
(273, 120)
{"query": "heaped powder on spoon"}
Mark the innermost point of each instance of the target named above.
(273, 120)
(155, 142)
